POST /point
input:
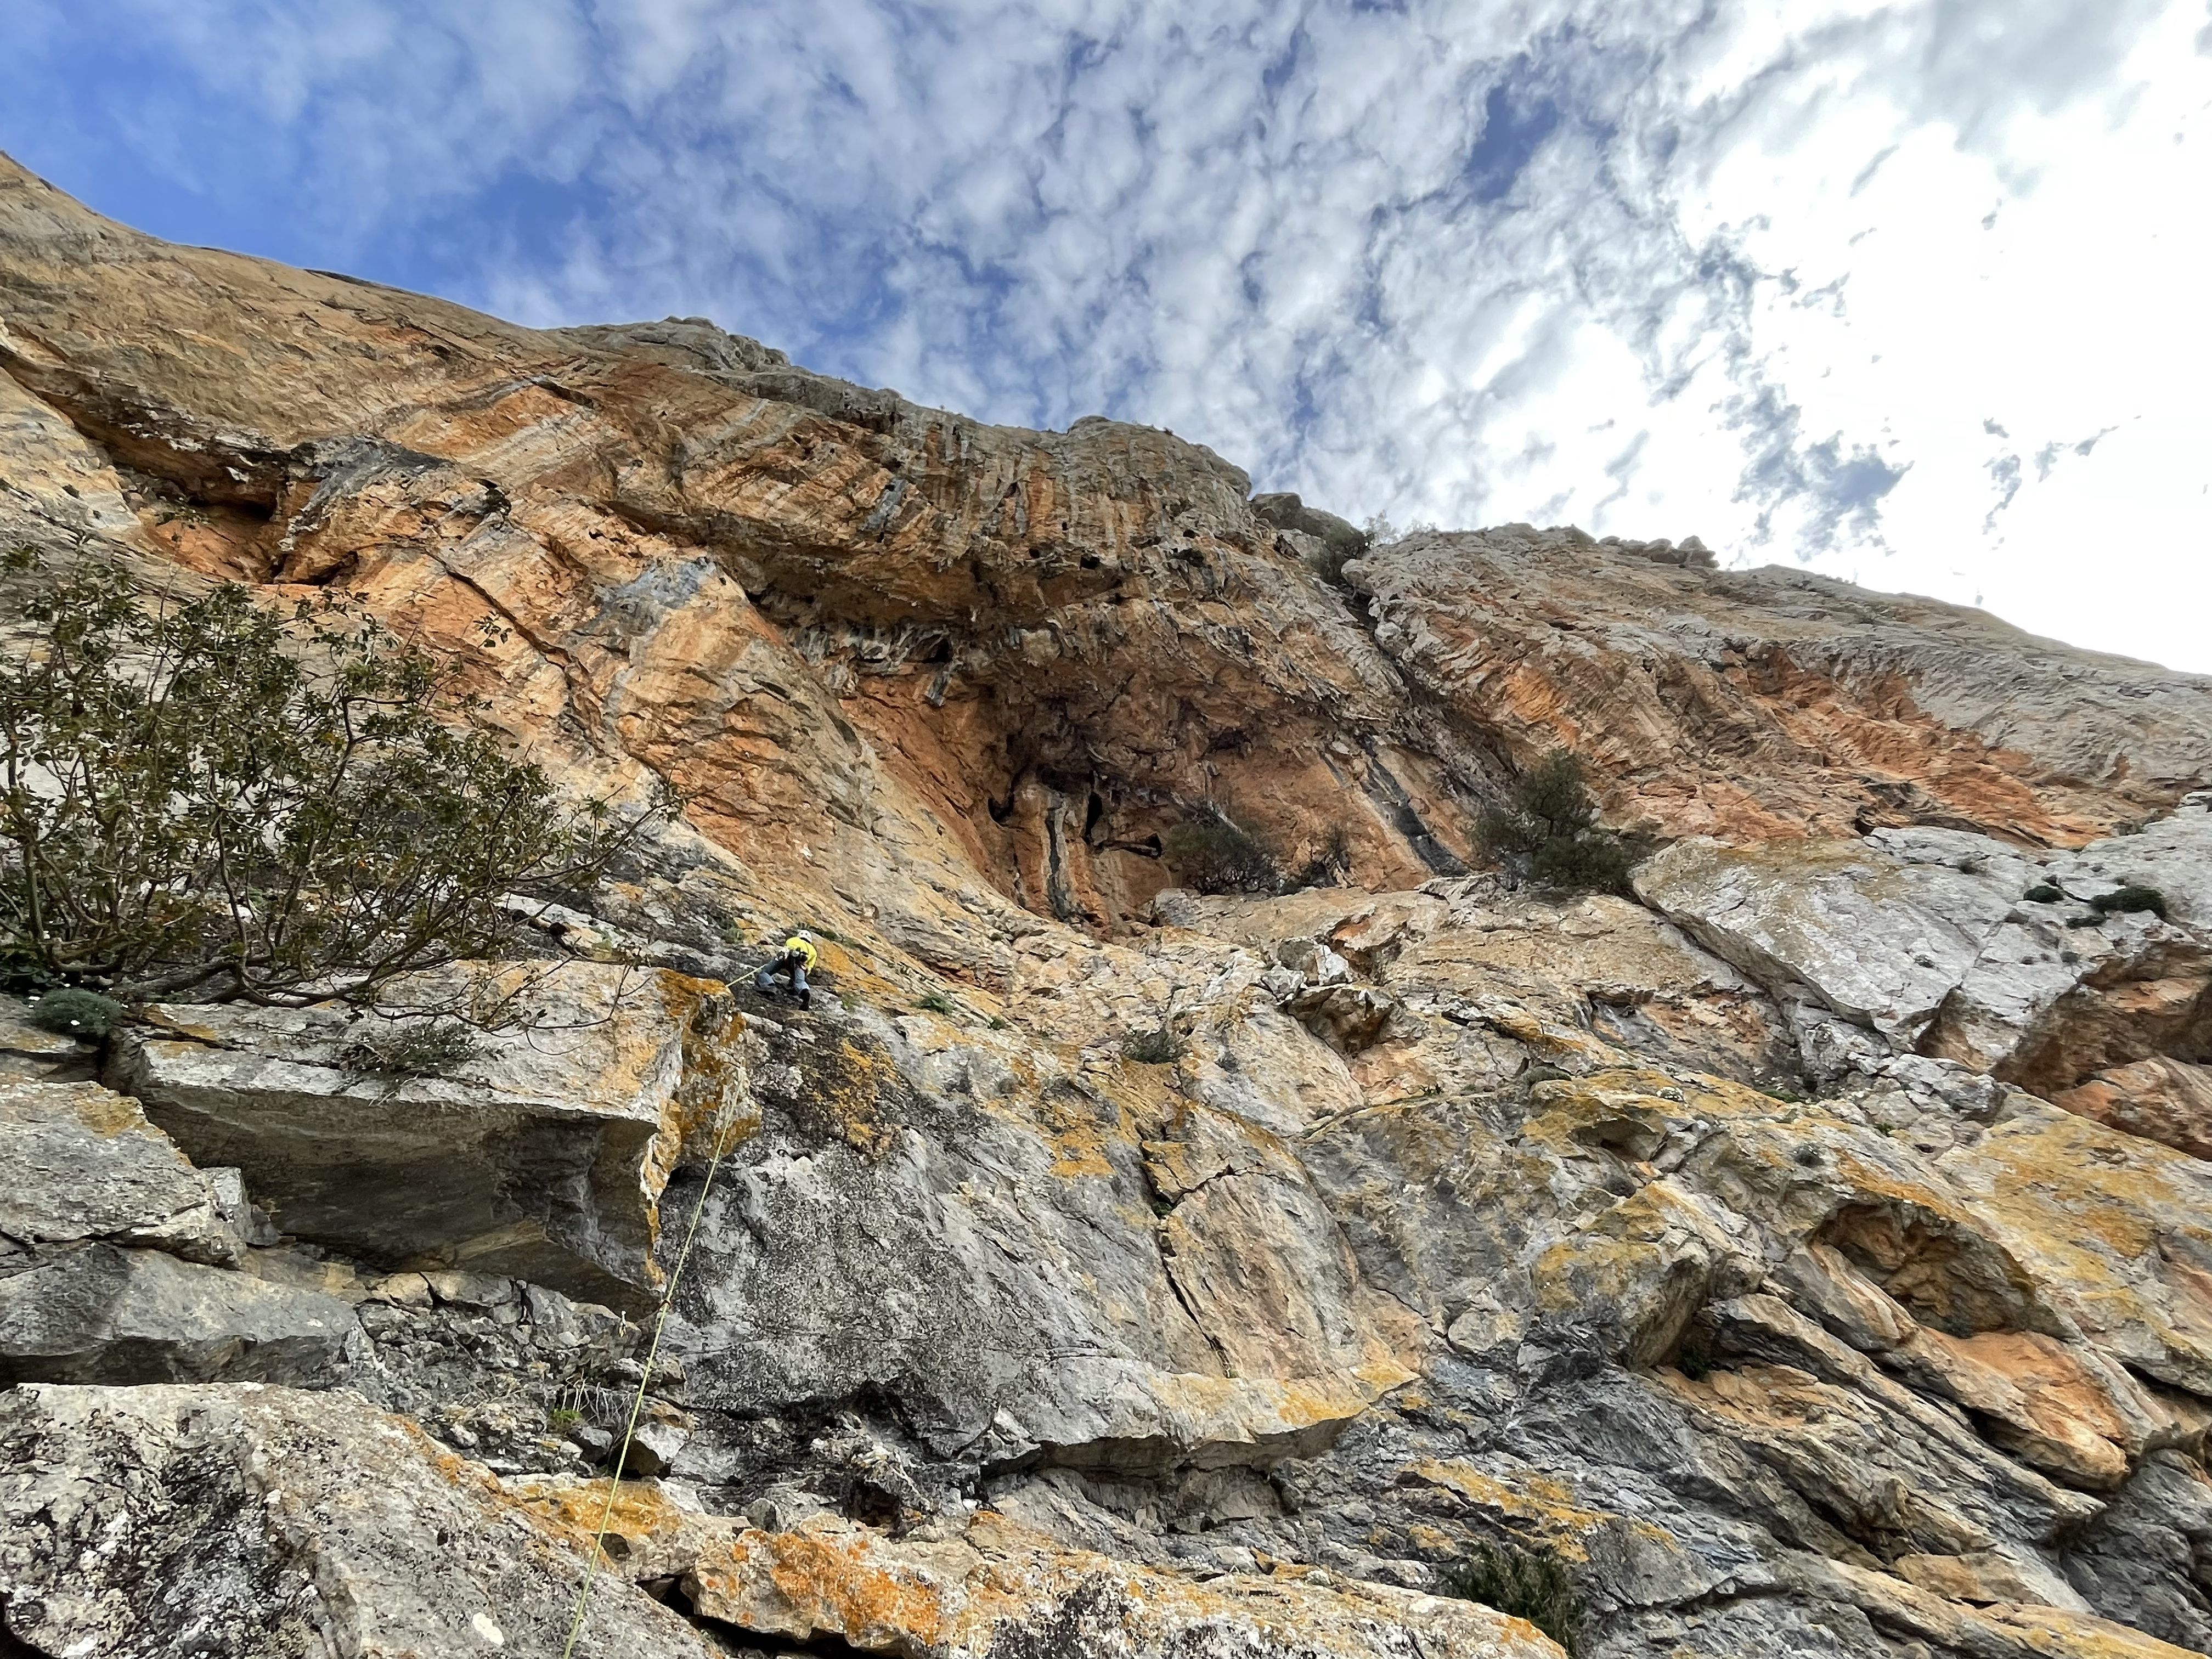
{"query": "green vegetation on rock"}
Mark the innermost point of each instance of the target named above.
(1549, 831)
(212, 801)
(1213, 854)
(1527, 1585)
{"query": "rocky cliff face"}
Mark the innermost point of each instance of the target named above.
(1814, 1257)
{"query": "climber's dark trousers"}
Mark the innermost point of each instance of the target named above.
(765, 980)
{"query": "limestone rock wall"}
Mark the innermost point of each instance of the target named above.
(1812, 1255)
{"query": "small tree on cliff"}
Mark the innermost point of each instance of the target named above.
(1549, 830)
(212, 802)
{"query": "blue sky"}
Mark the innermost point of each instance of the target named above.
(1908, 292)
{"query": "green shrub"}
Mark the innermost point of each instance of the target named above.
(1549, 830)
(1160, 1048)
(410, 1050)
(1524, 1584)
(77, 1013)
(1340, 547)
(2043, 893)
(2131, 897)
(1694, 1357)
(1213, 855)
(937, 1002)
(1330, 864)
(213, 801)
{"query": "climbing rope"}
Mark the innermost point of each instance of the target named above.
(637, 1401)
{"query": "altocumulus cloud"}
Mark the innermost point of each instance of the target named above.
(1906, 291)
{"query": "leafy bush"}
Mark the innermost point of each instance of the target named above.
(422, 1050)
(2131, 897)
(1213, 855)
(1526, 1584)
(937, 1002)
(1549, 830)
(1330, 864)
(77, 1013)
(1160, 1048)
(2043, 893)
(209, 801)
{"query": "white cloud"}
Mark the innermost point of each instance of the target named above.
(1832, 280)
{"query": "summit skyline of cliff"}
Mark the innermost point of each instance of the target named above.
(1899, 293)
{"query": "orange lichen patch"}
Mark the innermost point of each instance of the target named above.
(107, 1113)
(821, 1579)
(2105, 1219)
(712, 1095)
(2014, 1630)
(963, 1597)
(648, 1534)
(1532, 1503)
(1545, 1037)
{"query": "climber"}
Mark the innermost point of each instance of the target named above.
(798, 956)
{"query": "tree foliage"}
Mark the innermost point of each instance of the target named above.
(213, 801)
(1527, 1584)
(1212, 854)
(1549, 830)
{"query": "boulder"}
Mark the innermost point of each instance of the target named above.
(1000, 1589)
(78, 1162)
(1878, 930)
(2167, 1101)
(241, 1520)
(97, 1314)
(542, 1158)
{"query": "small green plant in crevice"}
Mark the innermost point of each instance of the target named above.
(402, 1051)
(562, 1417)
(1159, 1048)
(1694, 1357)
(1330, 864)
(1809, 1155)
(1526, 1584)
(1213, 854)
(2044, 892)
(2133, 897)
(936, 1002)
(1549, 831)
(73, 1012)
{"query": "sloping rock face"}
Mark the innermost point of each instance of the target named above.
(1812, 1255)
(541, 1157)
(1757, 704)
(164, 1520)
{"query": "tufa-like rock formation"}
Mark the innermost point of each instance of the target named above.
(1809, 1255)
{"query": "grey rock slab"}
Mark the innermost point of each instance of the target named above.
(239, 1519)
(79, 1162)
(97, 1314)
(540, 1160)
(1878, 930)
(2172, 854)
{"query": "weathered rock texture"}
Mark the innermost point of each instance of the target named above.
(1758, 704)
(1812, 1258)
